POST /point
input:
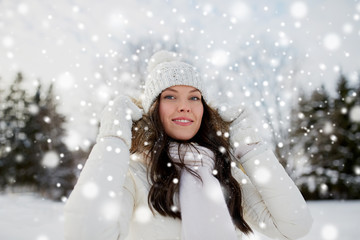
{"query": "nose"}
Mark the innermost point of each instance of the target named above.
(183, 107)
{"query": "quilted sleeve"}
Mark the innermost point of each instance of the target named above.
(93, 208)
(272, 203)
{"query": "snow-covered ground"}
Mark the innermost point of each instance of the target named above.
(28, 217)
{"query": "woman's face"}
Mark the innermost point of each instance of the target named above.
(181, 111)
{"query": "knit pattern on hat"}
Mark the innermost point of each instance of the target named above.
(166, 70)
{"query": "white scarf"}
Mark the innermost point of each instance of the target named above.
(204, 211)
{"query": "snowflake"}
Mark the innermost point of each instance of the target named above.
(42, 237)
(222, 149)
(332, 41)
(110, 210)
(219, 58)
(8, 42)
(298, 10)
(213, 192)
(357, 170)
(50, 160)
(65, 80)
(355, 114)
(90, 190)
(174, 208)
(142, 214)
(23, 8)
(47, 119)
(240, 11)
(348, 28)
(333, 138)
(262, 175)
(329, 232)
(324, 188)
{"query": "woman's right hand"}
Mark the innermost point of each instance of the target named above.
(117, 119)
(102, 180)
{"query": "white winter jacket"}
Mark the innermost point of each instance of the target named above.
(109, 201)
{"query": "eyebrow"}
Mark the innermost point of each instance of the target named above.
(173, 90)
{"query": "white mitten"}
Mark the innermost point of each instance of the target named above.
(241, 130)
(117, 119)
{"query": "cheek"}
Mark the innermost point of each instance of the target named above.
(163, 112)
(199, 112)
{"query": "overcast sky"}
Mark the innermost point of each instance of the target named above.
(69, 42)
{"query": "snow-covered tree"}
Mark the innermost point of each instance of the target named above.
(325, 143)
(346, 137)
(14, 140)
(53, 164)
(308, 144)
(33, 153)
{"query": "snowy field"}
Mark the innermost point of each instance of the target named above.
(27, 217)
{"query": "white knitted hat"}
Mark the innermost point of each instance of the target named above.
(165, 69)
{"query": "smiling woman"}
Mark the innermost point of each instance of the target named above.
(181, 111)
(170, 169)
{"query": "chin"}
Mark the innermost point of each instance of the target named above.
(182, 137)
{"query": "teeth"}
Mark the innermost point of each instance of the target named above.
(184, 121)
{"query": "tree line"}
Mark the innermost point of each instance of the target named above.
(323, 142)
(33, 154)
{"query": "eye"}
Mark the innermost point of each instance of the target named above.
(169, 97)
(195, 98)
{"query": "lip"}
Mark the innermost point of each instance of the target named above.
(177, 122)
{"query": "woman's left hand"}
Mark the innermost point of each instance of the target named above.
(242, 131)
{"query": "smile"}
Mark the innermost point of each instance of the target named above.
(183, 121)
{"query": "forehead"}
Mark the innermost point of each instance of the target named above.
(182, 88)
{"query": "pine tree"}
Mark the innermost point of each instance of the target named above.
(14, 140)
(2, 122)
(63, 175)
(312, 126)
(328, 141)
(53, 170)
(32, 153)
(3, 127)
(345, 151)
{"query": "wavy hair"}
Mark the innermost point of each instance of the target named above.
(150, 139)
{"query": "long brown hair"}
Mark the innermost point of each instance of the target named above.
(150, 139)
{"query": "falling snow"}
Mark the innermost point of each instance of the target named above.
(110, 211)
(244, 50)
(219, 58)
(329, 232)
(51, 159)
(328, 128)
(240, 11)
(65, 80)
(332, 41)
(299, 10)
(90, 190)
(142, 214)
(262, 175)
(355, 114)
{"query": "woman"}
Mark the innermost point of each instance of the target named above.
(180, 180)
